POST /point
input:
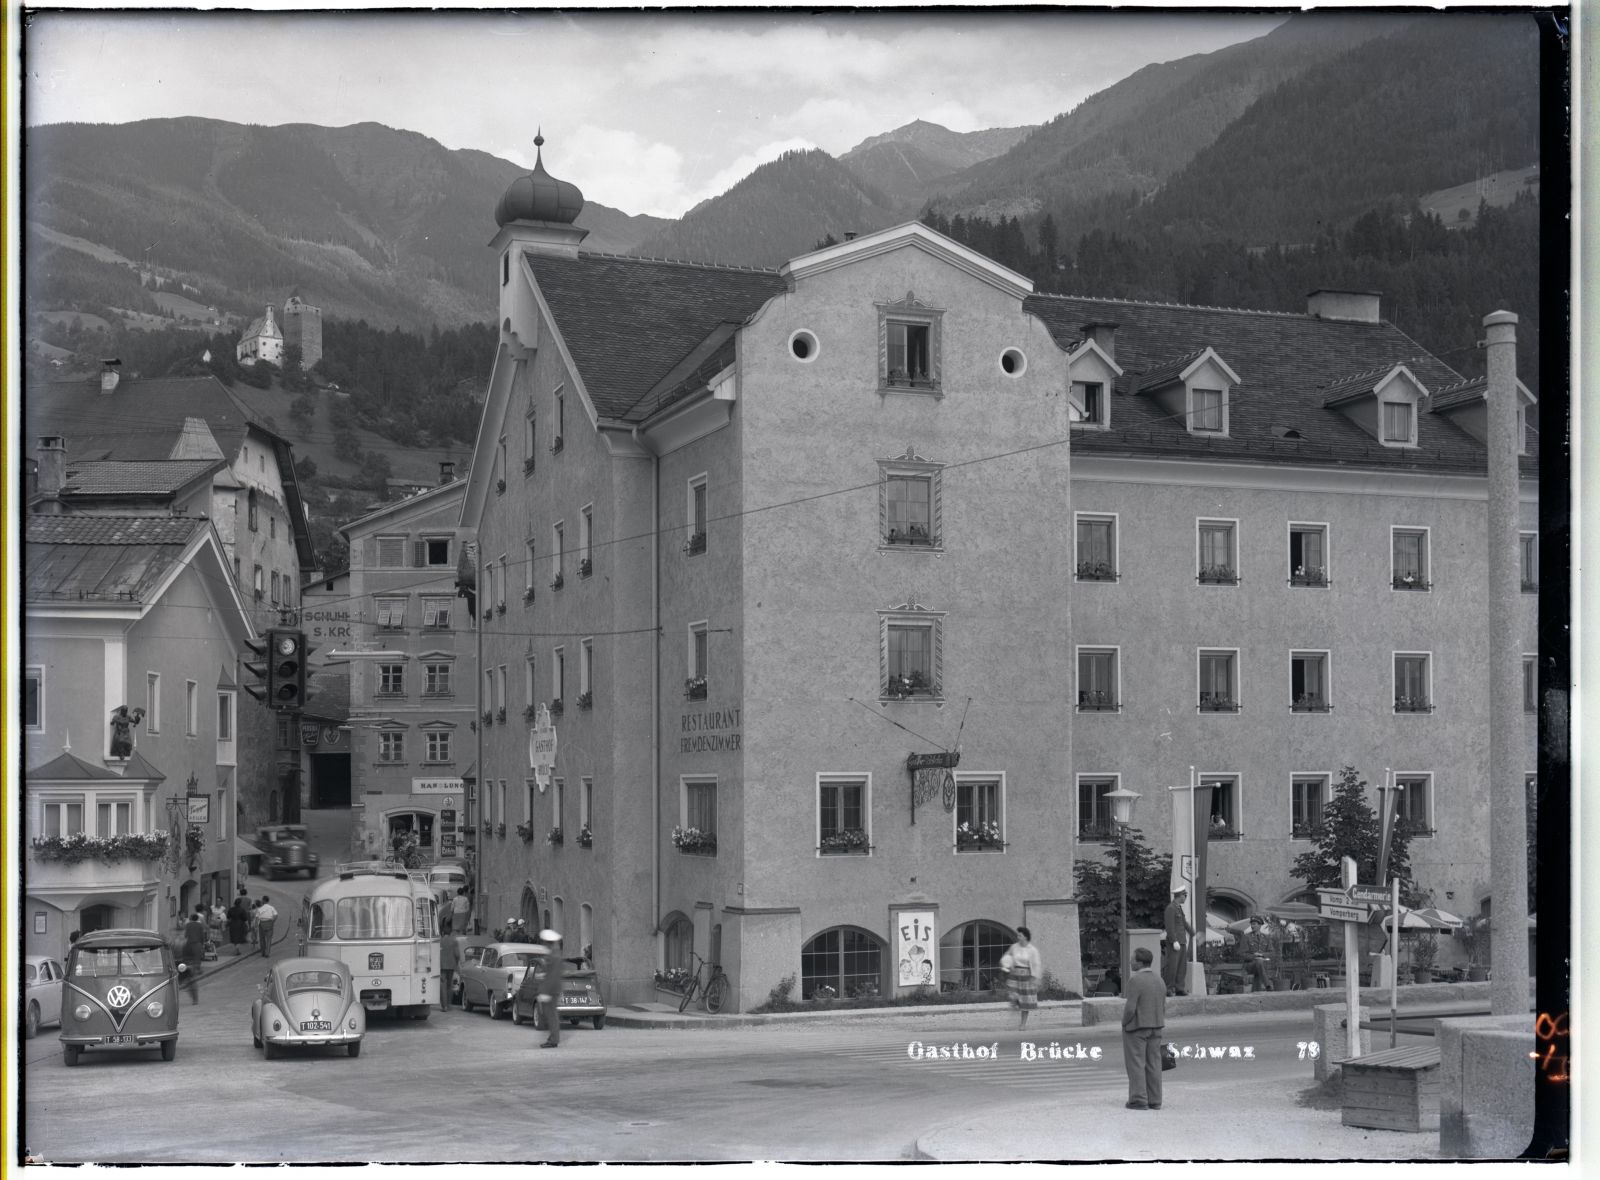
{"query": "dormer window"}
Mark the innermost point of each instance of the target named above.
(1206, 411)
(1399, 424)
(1088, 403)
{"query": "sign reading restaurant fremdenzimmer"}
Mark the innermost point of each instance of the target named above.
(916, 948)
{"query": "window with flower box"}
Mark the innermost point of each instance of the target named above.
(586, 674)
(980, 813)
(696, 542)
(910, 502)
(910, 657)
(1308, 795)
(1096, 558)
(842, 815)
(1308, 682)
(1218, 564)
(1409, 563)
(528, 566)
(558, 557)
(113, 817)
(1413, 687)
(1097, 680)
(695, 683)
(558, 677)
(1308, 555)
(1219, 687)
(1224, 821)
(62, 818)
(697, 832)
(529, 438)
(1528, 552)
(909, 345)
(1094, 809)
(560, 405)
(1414, 803)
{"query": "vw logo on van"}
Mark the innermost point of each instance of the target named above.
(119, 996)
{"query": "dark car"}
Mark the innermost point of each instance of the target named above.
(307, 1001)
(285, 848)
(121, 992)
(580, 996)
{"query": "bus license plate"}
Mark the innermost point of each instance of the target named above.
(316, 1026)
(118, 1039)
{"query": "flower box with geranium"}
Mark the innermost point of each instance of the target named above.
(554, 836)
(586, 700)
(143, 846)
(910, 684)
(1096, 571)
(585, 566)
(694, 688)
(525, 831)
(674, 979)
(983, 835)
(556, 707)
(696, 543)
(1308, 575)
(849, 840)
(557, 582)
(1218, 575)
(585, 837)
(694, 841)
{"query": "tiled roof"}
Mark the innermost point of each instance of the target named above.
(629, 321)
(1286, 362)
(102, 558)
(1455, 395)
(140, 419)
(1357, 383)
(67, 766)
(148, 477)
(1168, 371)
(138, 767)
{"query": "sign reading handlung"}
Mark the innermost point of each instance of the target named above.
(435, 786)
(916, 947)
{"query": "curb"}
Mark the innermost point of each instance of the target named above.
(684, 1020)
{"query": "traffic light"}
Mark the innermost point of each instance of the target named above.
(258, 649)
(286, 668)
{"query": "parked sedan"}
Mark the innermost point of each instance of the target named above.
(580, 997)
(490, 973)
(307, 1001)
(41, 992)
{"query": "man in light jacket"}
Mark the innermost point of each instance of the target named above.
(555, 969)
(1144, 1016)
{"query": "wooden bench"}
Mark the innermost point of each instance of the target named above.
(1393, 1089)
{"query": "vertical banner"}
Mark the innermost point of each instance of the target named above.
(1387, 799)
(916, 948)
(1183, 855)
(1200, 818)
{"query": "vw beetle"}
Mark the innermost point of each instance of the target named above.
(307, 1001)
(121, 992)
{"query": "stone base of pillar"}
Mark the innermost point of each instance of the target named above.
(1485, 1086)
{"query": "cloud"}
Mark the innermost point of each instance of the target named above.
(624, 170)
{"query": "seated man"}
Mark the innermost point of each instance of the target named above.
(1257, 953)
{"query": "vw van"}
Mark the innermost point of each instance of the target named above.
(120, 992)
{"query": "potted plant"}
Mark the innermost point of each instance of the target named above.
(554, 836)
(694, 841)
(585, 837)
(585, 567)
(1217, 573)
(556, 707)
(525, 831)
(696, 543)
(1474, 935)
(527, 594)
(1423, 953)
(1096, 571)
(557, 582)
(694, 688)
(978, 837)
(586, 699)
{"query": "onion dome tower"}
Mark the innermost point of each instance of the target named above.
(536, 216)
(538, 196)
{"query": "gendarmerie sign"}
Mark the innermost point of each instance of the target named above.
(710, 731)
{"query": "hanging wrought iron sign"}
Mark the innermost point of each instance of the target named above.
(931, 776)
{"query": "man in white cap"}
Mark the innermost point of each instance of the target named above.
(1179, 931)
(550, 988)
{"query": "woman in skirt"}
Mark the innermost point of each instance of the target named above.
(1023, 967)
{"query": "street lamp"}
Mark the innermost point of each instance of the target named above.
(1122, 801)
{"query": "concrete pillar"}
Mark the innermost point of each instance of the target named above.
(1508, 865)
(1332, 1039)
(1486, 1086)
(1055, 932)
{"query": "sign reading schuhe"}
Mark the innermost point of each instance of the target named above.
(916, 947)
(711, 731)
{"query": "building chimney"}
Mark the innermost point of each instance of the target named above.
(52, 471)
(1104, 334)
(109, 376)
(1358, 306)
(447, 472)
(849, 235)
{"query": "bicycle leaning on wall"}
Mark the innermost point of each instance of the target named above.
(709, 983)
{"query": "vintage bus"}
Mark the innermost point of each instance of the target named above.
(380, 921)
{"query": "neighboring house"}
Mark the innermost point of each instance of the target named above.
(139, 612)
(262, 341)
(758, 536)
(184, 446)
(411, 687)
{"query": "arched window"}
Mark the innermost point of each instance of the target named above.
(847, 959)
(677, 942)
(969, 956)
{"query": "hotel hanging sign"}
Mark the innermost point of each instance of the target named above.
(933, 775)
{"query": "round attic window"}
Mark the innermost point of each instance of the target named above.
(803, 346)
(1012, 362)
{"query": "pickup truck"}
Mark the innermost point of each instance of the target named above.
(284, 849)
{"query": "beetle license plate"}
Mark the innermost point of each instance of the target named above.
(118, 1039)
(316, 1026)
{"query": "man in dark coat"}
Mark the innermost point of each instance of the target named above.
(1174, 963)
(1144, 1016)
(555, 970)
(194, 950)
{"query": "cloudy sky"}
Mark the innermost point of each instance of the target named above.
(645, 113)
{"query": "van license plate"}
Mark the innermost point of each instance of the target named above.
(118, 1039)
(316, 1026)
